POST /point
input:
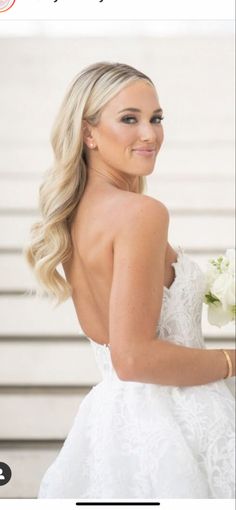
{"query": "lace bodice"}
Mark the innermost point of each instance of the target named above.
(181, 312)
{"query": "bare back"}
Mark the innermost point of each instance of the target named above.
(90, 269)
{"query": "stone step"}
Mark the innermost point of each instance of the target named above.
(46, 362)
(28, 461)
(45, 414)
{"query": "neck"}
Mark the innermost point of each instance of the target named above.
(126, 183)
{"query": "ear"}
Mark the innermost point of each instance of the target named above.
(87, 135)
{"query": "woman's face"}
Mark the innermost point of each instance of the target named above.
(129, 134)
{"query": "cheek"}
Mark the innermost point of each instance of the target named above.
(160, 135)
(117, 135)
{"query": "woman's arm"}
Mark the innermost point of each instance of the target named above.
(135, 305)
(162, 362)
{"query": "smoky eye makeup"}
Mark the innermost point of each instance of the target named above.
(132, 119)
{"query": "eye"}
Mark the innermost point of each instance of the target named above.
(127, 118)
(158, 118)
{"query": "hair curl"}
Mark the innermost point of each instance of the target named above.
(60, 192)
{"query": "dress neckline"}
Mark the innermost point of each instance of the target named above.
(180, 254)
(168, 290)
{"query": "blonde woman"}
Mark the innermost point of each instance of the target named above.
(161, 422)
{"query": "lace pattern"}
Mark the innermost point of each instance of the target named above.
(137, 440)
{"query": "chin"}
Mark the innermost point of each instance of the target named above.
(146, 171)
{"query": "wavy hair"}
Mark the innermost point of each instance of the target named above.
(63, 184)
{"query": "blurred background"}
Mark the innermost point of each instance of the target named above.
(46, 363)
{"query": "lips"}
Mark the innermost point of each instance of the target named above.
(144, 151)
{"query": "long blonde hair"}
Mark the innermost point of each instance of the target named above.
(64, 183)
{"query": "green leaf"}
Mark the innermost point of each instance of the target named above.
(211, 298)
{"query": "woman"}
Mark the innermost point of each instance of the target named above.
(161, 422)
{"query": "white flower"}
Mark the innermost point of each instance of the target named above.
(219, 293)
(224, 289)
(217, 316)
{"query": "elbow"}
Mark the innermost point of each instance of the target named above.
(124, 369)
(123, 374)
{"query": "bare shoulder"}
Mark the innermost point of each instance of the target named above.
(141, 209)
(136, 200)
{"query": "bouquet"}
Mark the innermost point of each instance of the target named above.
(219, 293)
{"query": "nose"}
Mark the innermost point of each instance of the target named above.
(148, 132)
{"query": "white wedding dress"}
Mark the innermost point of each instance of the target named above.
(133, 440)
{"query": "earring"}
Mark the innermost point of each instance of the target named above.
(92, 145)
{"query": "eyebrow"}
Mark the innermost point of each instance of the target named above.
(137, 110)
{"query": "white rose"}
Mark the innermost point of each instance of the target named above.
(224, 289)
(217, 316)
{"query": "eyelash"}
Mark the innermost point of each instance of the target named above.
(128, 117)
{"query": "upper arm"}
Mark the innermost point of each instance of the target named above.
(138, 279)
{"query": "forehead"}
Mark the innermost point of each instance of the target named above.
(139, 94)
